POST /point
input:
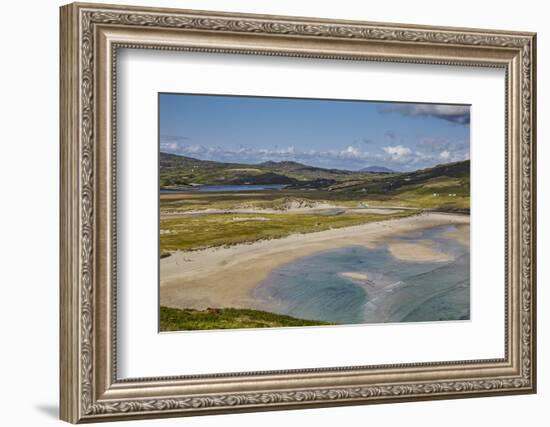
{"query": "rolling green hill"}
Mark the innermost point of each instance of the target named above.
(446, 185)
(181, 171)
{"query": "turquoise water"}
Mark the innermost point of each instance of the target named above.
(313, 287)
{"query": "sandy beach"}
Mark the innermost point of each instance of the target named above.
(226, 277)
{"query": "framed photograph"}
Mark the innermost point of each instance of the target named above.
(266, 212)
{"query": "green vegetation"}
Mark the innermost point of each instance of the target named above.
(192, 232)
(174, 319)
(443, 187)
(181, 171)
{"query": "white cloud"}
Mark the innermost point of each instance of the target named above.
(398, 157)
(169, 146)
(351, 152)
(397, 152)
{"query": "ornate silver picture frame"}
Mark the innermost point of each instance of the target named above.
(91, 35)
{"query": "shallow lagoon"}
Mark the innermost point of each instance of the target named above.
(385, 288)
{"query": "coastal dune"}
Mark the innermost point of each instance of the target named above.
(227, 276)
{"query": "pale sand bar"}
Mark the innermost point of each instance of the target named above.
(353, 275)
(226, 277)
(420, 250)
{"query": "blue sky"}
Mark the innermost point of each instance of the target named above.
(326, 133)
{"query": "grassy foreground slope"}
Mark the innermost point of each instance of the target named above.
(174, 319)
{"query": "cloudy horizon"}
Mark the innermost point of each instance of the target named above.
(336, 134)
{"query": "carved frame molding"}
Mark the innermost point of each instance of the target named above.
(90, 36)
